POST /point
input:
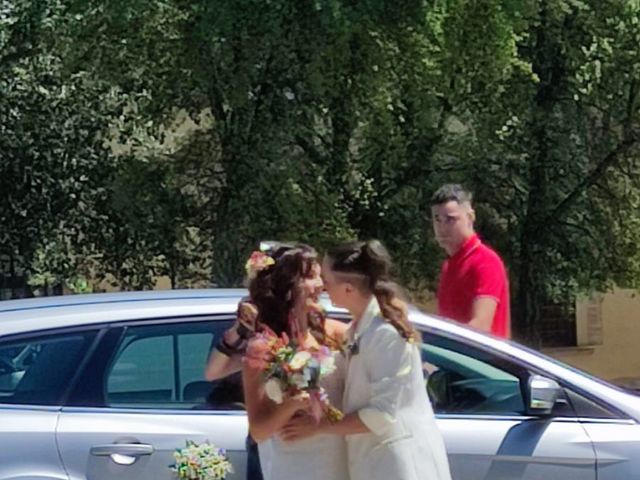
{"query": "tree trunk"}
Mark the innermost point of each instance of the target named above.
(230, 238)
(547, 64)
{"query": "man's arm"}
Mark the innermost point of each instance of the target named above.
(484, 309)
(490, 280)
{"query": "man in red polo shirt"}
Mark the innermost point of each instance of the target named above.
(473, 288)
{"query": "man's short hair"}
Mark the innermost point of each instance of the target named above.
(451, 192)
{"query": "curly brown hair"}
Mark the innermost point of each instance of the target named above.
(276, 290)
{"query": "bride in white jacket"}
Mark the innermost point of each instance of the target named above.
(389, 424)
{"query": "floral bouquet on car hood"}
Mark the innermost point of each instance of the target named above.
(291, 370)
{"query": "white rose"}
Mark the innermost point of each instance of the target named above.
(300, 380)
(299, 360)
(273, 390)
(327, 365)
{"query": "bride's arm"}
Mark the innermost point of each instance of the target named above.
(335, 328)
(388, 362)
(304, 427)
(265, 416)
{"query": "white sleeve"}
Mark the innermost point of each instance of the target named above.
(388, 362)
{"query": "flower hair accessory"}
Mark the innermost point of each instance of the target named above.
(257, 262)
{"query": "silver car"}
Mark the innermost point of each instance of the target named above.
(107, 386)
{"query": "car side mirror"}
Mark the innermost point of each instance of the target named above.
(543, 393)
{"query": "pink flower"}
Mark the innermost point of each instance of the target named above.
(257, 354)
(257, 262)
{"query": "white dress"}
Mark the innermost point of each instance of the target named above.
(385, 386)
(321, 457)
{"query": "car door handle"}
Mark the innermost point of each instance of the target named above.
(128, 449)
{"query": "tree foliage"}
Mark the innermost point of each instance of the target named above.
(188, 131)
(53, 157)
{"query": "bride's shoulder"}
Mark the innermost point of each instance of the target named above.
(335, 328)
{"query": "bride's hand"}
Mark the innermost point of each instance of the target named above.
(298, 403)
(299, 428)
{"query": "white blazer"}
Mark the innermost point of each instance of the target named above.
(385, 386)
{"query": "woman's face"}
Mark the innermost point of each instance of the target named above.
(334, 287)
(312, 285)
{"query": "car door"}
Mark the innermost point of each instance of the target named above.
(30, 396)
(143, 396)
(479, 399)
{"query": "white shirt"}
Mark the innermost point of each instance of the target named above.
(385, 386)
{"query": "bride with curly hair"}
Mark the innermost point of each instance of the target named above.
(284, 286)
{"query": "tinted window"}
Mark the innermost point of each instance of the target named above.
(162, 366)
(587, 408)
(37, 371)
(467, 381)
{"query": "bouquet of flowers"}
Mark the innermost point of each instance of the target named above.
(201, 462)
(291, 370)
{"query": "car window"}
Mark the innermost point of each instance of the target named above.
(461, 380)
(587, 408)
(37, 371)
(162, 366)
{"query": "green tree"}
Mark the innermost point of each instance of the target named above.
(321, 120)
(554, 160)
(53, 156)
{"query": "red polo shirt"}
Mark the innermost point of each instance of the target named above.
(473, 272)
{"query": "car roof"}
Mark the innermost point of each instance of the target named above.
(35, 314)
(117, 297)
(27, 315)
(17, 316)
